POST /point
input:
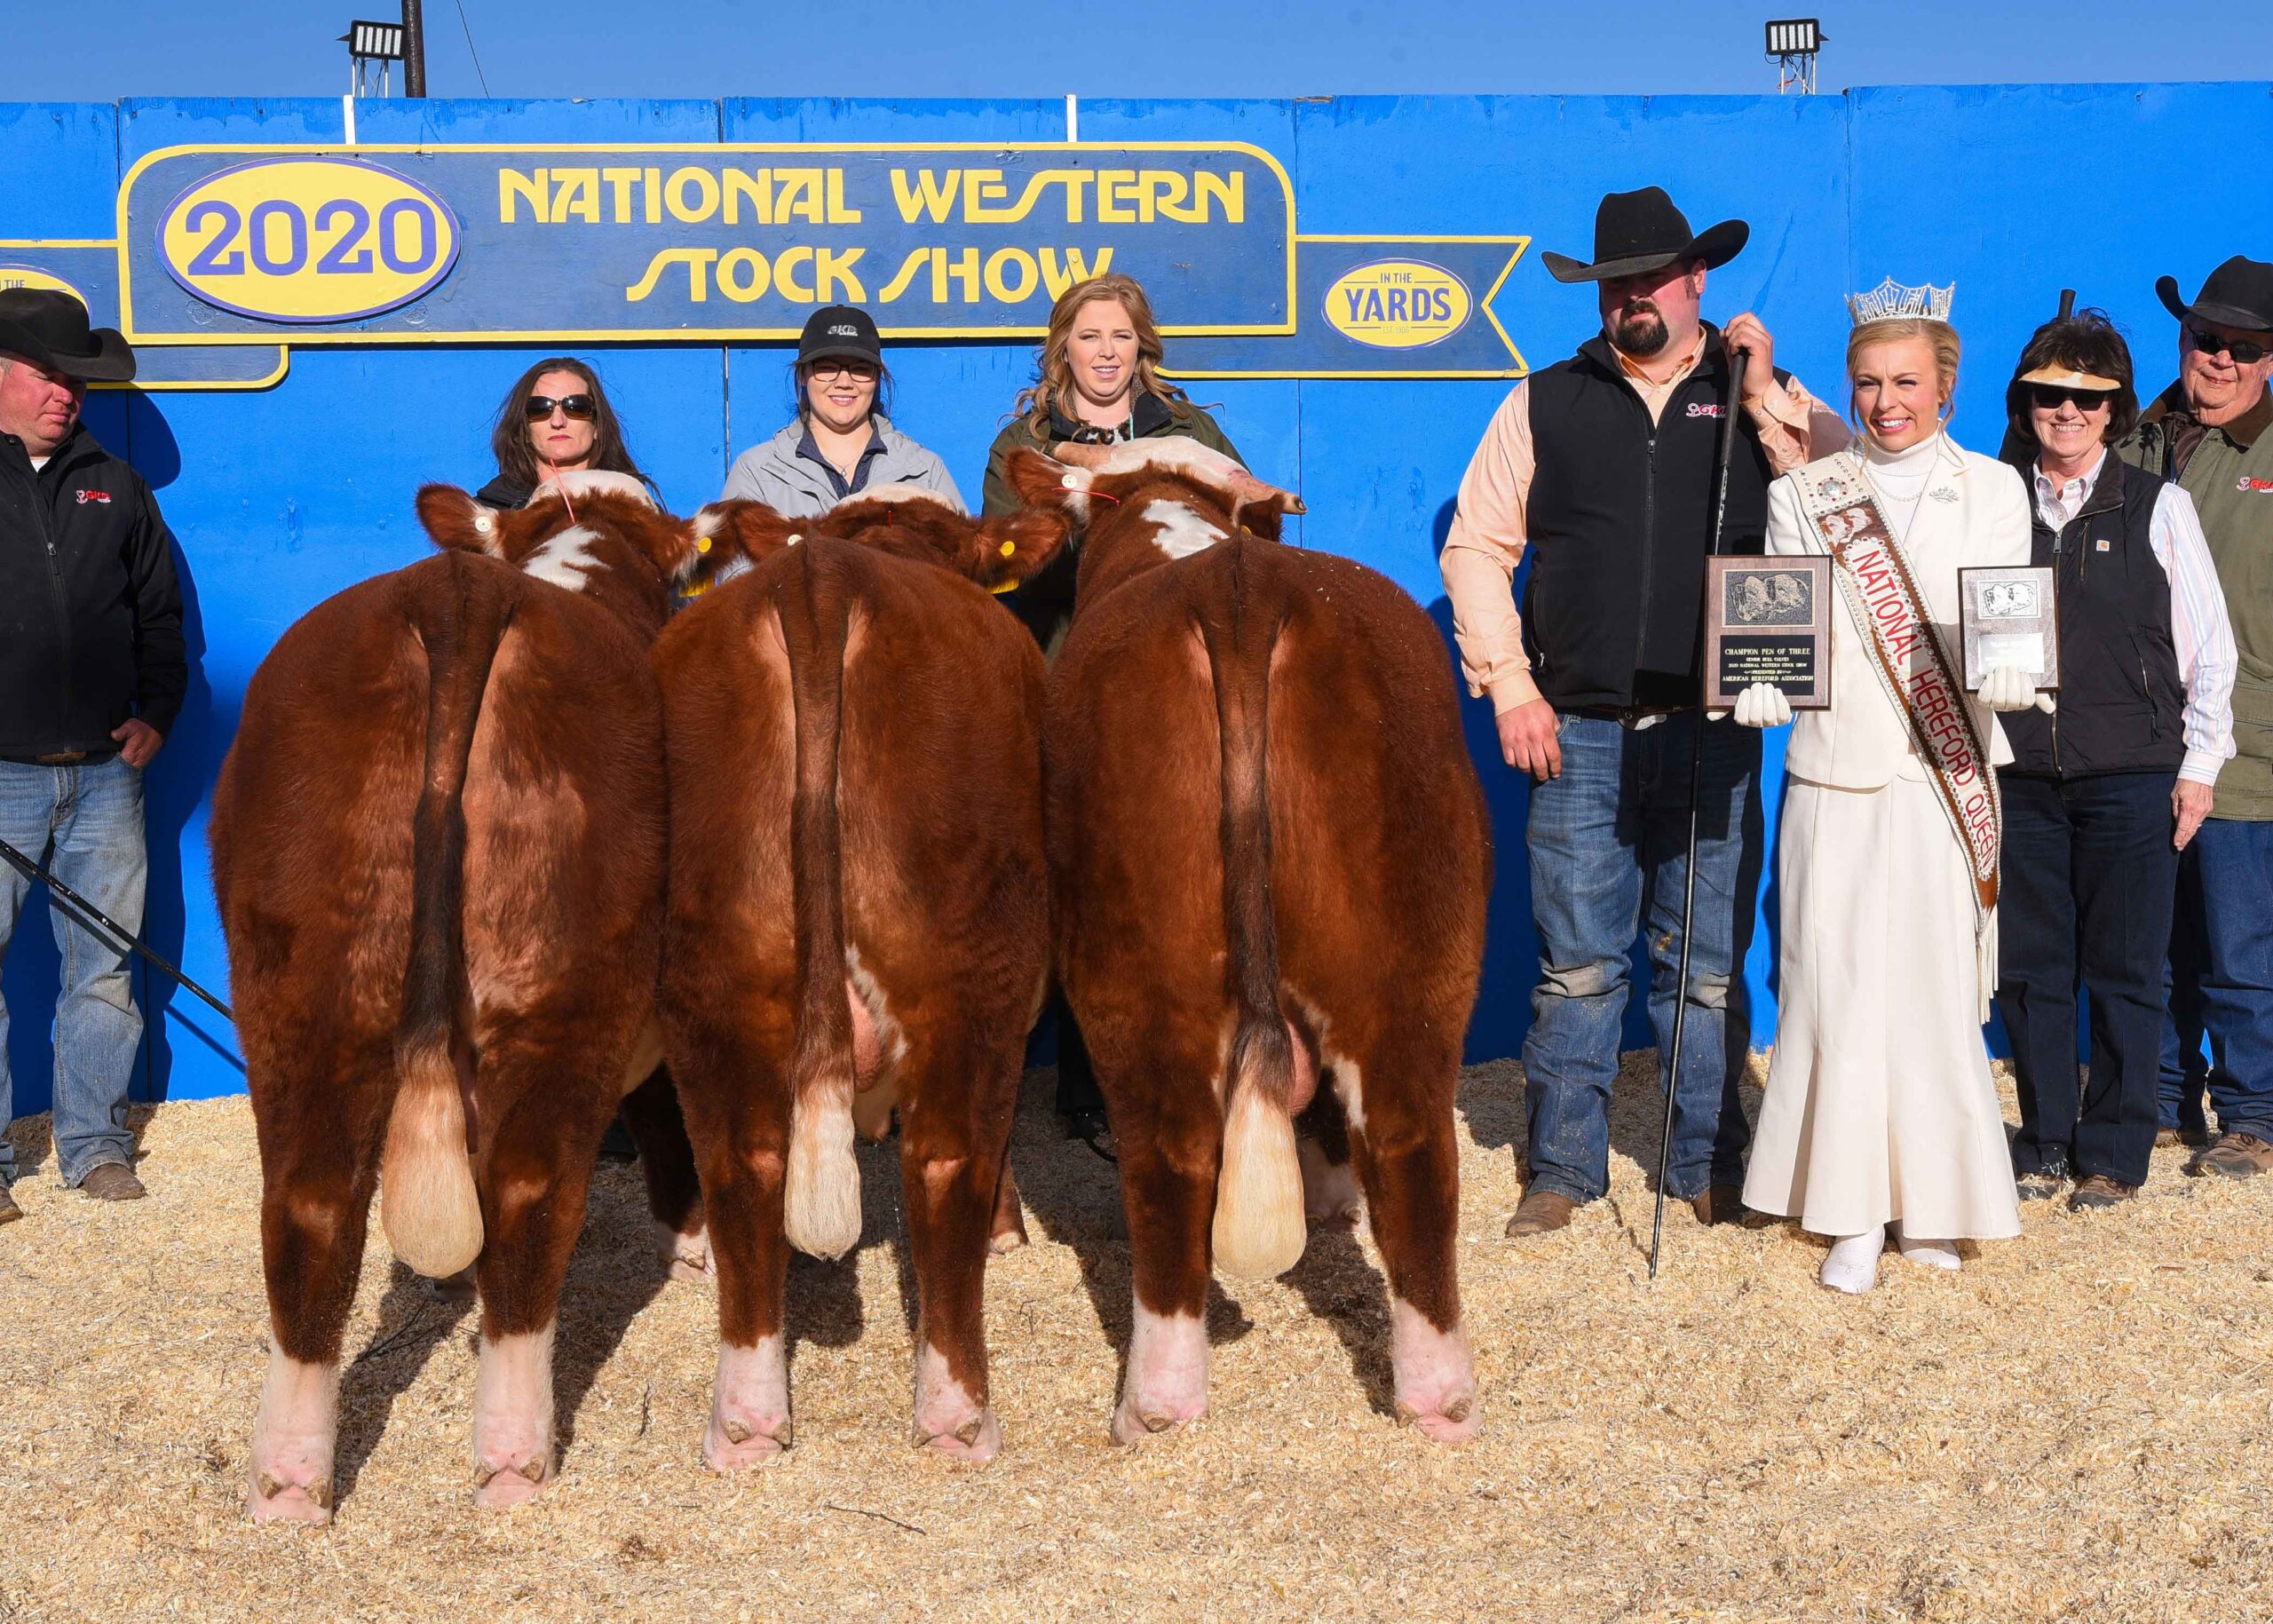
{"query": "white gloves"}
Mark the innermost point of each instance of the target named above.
(2008, 688)
(1762, 705)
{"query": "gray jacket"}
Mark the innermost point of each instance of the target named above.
(799, 487)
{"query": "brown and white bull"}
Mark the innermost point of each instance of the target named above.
(1270, 863)
(437, 846)
(858, 922)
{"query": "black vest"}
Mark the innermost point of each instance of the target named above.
(2122, 706)
(1619, 519)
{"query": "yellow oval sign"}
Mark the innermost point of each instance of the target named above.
(308, 240)
(25, 276)
(1398, 303)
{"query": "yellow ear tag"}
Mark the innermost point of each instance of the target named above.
(701, 544)
(1009, 547)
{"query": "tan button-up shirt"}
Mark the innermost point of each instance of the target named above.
(1488, 532)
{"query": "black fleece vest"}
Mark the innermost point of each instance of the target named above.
(2122, 706)
(1619, 517)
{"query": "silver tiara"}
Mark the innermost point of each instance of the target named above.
(1891, 298)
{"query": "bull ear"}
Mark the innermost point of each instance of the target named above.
(726, 531)
(455, 520)
(1045, 482)
(1016, 547)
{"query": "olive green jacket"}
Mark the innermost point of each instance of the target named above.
(2230, 475)
(1045, 602)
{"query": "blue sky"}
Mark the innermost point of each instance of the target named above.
(101, 50)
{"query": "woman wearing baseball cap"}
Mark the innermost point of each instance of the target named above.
(840, 442)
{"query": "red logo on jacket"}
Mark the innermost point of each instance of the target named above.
(1699, 409)
(87, 496)
(2246, 483)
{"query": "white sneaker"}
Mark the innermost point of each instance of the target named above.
(1933, 1253)
(1853, 1265)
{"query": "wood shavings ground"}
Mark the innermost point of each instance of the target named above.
(2077, 1426)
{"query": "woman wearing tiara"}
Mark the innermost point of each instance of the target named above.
(1879, 1109)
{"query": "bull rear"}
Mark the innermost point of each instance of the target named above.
(429, 1205)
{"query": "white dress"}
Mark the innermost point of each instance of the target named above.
(1880, 1108)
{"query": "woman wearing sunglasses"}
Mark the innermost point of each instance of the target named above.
(555, 420)
(2102, 794)
(840, 442)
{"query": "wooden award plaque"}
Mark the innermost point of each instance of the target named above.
(1768, 619)
(2010, 617)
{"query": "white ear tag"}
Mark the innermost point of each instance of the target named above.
(483, 524)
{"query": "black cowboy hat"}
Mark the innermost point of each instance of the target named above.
(1641, 230)
(50, 330)
(2238, 294)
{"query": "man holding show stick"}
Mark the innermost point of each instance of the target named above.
(1603, 468)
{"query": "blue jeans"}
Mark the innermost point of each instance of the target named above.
(2221, 981)
(85, 823)
(1608, 836)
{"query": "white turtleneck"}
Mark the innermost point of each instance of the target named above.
(1900, 476)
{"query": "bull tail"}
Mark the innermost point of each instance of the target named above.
(821, 1187)
(1259, 1228)
(428, 1203)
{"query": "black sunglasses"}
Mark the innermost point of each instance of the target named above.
(583, 409)
(2052, 396)
(2245, 352)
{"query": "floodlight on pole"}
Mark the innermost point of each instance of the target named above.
(369, 44)
(1794, 42)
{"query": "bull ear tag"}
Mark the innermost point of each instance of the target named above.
(483, 524)
(701, 544)
(1009, 547)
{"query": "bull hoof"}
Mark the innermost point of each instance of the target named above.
(685, 1257)
(272, 1499)
(1456, 1422)
(736, 1442)
(977, 1441)
(1009, 1241)
(1134, 1423)
(455, 1288)
(504, 1484)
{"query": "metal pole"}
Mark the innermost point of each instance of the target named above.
(1729, 406)
(95, 919)
(413, 49)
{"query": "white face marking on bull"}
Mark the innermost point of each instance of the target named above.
(900, 493)
(576, 482)
(565, 559)
(1183, 531)
(1208, 465)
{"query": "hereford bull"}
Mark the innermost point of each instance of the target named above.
(858, 918)
(1269, 857)
(437, 846)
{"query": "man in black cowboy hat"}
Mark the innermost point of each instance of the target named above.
(1602, 467)
(2208, 431)
(92, 675)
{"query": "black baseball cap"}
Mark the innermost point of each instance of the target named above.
(840, 332)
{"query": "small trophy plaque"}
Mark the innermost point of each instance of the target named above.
(1768, 619)
(2009, 618)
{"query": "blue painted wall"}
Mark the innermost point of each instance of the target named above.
(282, 497)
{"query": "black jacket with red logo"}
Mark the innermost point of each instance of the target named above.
(90, 612)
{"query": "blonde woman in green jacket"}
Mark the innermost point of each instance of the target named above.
(1099, 383)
